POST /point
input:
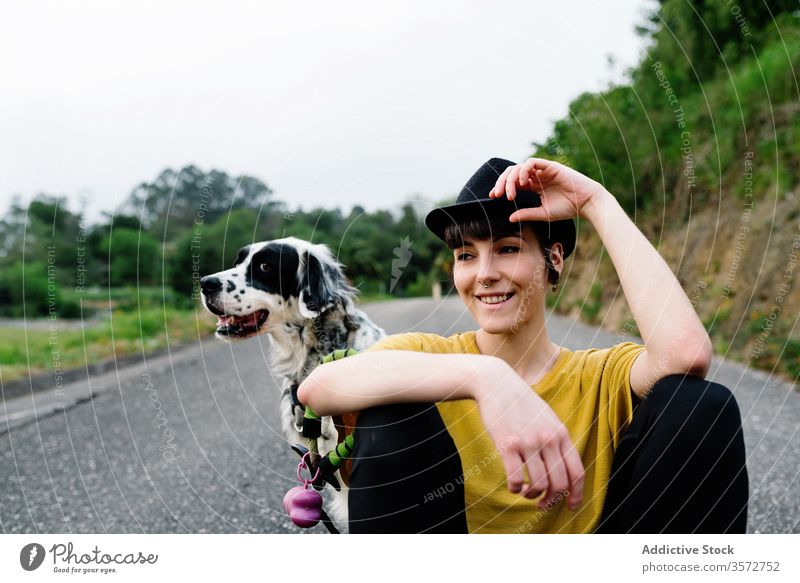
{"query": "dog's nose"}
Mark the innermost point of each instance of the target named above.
(210, 284)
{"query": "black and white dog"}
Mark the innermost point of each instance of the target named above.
(295, 292)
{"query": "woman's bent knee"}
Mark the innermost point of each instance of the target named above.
(392, 430)
(403, 453)
(696, 397)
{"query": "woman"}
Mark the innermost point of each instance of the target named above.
(500, 430)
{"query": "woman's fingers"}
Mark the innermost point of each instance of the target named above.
(556, 472)
(537, 474)
(536, 182)
(575, 474)
(541, 164)
(525, 172)
(530, 175)
(529, 214)
(515, 473)
(537, 174)
(500, 186)
(511, 183)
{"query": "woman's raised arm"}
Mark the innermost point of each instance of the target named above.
(675, 339)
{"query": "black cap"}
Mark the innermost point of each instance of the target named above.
(474, 202)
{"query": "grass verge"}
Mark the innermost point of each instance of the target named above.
(31, 352)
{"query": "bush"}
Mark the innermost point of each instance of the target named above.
(134, 258)
(23, 291)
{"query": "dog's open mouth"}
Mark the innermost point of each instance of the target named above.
(241, 326)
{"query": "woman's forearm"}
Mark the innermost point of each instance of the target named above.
(395, 376)
(670, 327)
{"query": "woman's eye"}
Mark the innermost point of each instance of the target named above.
(509, 249)
(264, 267)
(463, 257)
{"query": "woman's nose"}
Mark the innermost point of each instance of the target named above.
(486, 270)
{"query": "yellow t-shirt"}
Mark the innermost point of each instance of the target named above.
(589, 390)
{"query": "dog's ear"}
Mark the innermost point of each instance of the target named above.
(321, 285)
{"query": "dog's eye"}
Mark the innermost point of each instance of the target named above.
(264, 267)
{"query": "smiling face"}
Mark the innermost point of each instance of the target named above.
(514, 269)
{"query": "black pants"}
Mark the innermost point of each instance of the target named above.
(679, 468)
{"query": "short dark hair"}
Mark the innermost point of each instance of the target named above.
(495, 228)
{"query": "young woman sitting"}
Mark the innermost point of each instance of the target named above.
(499, 429)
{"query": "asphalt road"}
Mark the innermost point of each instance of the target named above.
(190, 441)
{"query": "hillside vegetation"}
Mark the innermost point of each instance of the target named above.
(702, 147)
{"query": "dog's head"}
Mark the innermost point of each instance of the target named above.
(274, 282)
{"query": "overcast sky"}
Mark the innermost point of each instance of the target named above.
(330, 103)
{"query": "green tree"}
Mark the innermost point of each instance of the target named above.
(133, 258)
(178, 199)
(44, 231)
(23, 290)
(698, 40)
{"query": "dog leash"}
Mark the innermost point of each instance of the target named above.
(304, 506)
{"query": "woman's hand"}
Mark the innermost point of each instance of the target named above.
(565, 193)
(529, 435)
